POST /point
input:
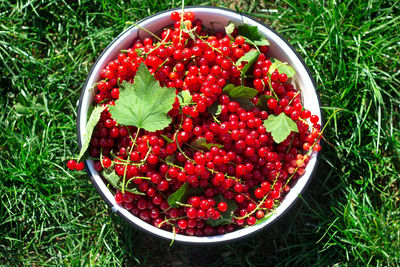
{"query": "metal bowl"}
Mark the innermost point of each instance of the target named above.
(213, 18)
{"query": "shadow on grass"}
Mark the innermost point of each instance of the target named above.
(292, 239)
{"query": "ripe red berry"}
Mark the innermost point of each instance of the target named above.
(175, 16)
(283, 77)
(258, 193)
(239, 40)
(260, 214)
(222, 206)
(314, 119)
(269, 203)
(272, 103)
(191, 212)
(317, 147)
(204, 204)
(106, 162)
(71, 164)
(182, 224)
(119, 198)
(79, 166)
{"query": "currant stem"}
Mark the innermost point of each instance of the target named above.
(252, 43)
(126, 164)
(270, 87)
(261, 202)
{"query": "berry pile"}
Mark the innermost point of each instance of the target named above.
(219, 163)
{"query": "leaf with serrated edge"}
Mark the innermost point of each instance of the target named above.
(240, 91)
(226, 216)
(111, 177)
(261, 42)
(91, 124)
(144, 103)
(282, 67)
(250, 57)
(250, 32)
(185, 98)
(229, 29)
(177, 196)
(201, 143)
(262, 102)
(280, 127)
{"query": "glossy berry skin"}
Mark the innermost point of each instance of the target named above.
(222, 206)
(107, 162)
(71, 164)
(182, 224)
(79, 166)
(119, 198)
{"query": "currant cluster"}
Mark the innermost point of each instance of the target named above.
(232, 171)
(73, 165)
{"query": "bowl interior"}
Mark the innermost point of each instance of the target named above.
(217, 19)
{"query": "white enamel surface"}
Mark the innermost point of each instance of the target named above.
(216, 18)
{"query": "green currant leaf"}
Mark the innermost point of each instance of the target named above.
(226, 216)
(251, 33)
(144, 103)
(240, 91)
(250, 57)
(215, 109)
(185, 98)
(266, 217)
(229, 29)
(112, 177)
(281, 67)
(194, 191)
(280, 127)
(201, 143)
(177, 196)
(261, 42)
(241, 94)
(91, 124)
(220, 221)
(248, 31)
(244, 102)
(89, 112)
(262, 102)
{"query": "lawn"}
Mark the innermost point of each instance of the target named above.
(350, 214)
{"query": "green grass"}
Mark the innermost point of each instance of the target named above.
(349, 214)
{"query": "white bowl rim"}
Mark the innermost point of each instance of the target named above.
(183, 238)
